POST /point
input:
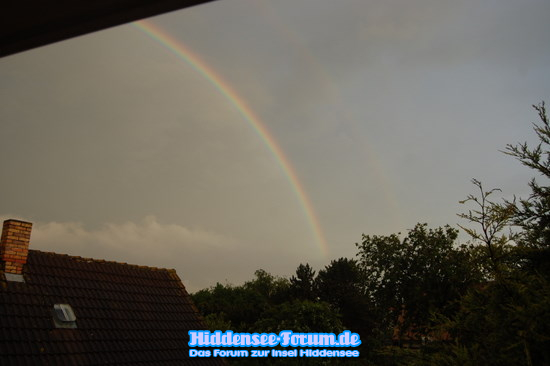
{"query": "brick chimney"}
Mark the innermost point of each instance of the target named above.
(14, 245)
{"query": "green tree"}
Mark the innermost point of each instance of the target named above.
(494, 246)
(533, 213)
(271, 289)
(266, 304)
(302, 285)
(302, 316)
(507, 320)
(228, 304)
(340, 279)
(410, 279)
(342, 285)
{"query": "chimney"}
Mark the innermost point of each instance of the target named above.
(14, 245)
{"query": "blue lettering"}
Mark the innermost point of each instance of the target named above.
(199, 353)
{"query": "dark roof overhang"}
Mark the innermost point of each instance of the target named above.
(34, 23)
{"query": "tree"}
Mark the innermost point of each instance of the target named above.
(533, 213)
(302, 286)
(492, 218)
(342, 285)
(300, 316)
(228, 304)
(411, 278)
(272, 289)
(340, 279)
(507, 320)
(266, 304)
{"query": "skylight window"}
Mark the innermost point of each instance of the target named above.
(63, 316)
(12, 277)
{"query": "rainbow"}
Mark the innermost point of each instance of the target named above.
(184, 53)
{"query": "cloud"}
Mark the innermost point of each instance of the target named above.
(191, 251)
(139, 236)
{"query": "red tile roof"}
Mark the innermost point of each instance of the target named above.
(125, 314)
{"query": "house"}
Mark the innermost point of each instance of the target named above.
(58, 309)
(414, 336)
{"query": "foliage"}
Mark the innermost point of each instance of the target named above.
(505, 325)
(303, 284)
(267, 304)
(270, 289)
(300, 316)
(420, 274)
(341, 284)
(507, 320)
(533, 213)
(227, 303)
(241, 306)
(492, 218)
(482, 303)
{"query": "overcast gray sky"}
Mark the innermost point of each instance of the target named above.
(116, 148)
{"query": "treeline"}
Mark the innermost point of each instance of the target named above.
(422, 298)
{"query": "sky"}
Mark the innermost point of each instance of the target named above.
(241, 135)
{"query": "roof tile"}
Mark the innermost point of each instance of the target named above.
(126, 314)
